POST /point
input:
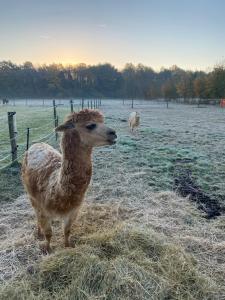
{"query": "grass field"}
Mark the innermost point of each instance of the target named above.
(135, 239)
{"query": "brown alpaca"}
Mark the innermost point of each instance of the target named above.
(56, 183)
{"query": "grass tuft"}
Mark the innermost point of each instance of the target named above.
(119, 263)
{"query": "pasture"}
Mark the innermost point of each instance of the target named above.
(136, 238)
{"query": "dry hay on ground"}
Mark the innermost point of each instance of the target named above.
(162, 250)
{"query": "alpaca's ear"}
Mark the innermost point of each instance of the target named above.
(65, 126)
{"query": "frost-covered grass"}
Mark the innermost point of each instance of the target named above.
(182, 136)
(134, 239)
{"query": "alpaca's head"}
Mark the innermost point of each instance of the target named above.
(89, 125)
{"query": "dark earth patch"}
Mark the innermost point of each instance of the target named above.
(185, 185)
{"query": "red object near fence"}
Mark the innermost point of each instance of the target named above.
(222, 103)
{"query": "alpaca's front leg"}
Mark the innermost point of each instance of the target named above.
(45, 225)
(40, 235)
(68, 221)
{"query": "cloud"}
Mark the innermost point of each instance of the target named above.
(45, 37)
(102, 25)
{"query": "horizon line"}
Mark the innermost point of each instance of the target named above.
(207, 69)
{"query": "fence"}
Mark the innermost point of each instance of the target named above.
(17, 150)
(79, 103)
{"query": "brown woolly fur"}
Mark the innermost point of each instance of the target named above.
(85, 116)
(56, 183)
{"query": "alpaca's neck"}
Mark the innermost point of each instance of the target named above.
(76, 169)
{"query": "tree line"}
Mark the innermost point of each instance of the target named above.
(104, 80)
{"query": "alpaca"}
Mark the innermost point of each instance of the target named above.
(56, 183)
(134, 120)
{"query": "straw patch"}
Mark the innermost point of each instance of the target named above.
(121, 263)
(117, 255)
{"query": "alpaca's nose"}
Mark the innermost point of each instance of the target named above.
(112, 133)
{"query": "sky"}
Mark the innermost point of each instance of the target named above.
(156, 33)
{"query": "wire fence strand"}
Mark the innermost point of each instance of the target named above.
(6, 157)
(3, 118)
(22, 147)
(49, 137)
(3, 130)
(36, 128)
(9, 164)
(42, 138)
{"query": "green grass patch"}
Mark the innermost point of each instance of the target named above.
(11, 185)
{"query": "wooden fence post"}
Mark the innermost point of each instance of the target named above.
(132, 103)
(82, 103)
(13, 134)
(71, 105)
(91, 104)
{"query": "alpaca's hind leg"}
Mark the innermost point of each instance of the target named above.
(68, 220)
(45, 225)
(39, 232)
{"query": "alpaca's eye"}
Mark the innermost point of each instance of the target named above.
(91, 126)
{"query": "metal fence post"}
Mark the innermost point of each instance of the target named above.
(54, 111)
(71, 105)
(56, 125)
(55, 118)
(28, 137)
